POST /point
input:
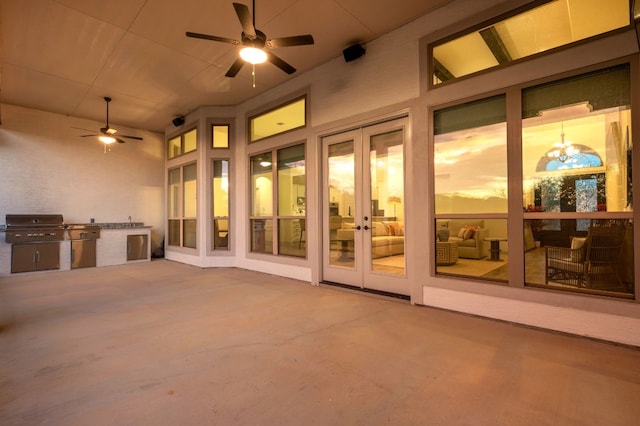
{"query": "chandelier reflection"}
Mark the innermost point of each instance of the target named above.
(564, 150)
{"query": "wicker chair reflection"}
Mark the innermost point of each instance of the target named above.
(221, 233)
(591, 262)
(303, 231)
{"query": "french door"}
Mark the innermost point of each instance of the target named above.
(363, 208)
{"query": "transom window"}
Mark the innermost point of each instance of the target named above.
(220, 136)
(505, 40)
(284, 118)
(182, 144)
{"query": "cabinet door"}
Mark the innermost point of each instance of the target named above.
(83, 253)
(48, 256)
(23, 258)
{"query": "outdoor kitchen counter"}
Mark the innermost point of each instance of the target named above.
(115, 243)
(112, 247)
(112, 225)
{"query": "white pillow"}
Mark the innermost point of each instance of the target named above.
(577, 243)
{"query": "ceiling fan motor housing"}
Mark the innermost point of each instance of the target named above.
(258, 42)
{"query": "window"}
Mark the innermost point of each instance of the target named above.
(182, 192)
(220, 208)
(470, 181)
(281, 232)
(576, 162)
(220, 135)
(278, 120)
(182, 144)
(576, 185)
(549, 26)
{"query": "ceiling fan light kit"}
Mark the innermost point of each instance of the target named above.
(107, 134)
(256, 46)
(253, 55)
(107, 139)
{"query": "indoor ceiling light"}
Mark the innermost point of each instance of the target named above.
(564, 150)
(107, 139)
(253, 55)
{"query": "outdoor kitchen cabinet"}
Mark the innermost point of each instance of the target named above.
(137, 247)
(35, 257)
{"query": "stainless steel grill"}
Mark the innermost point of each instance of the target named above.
(29, 228)
(35, 241)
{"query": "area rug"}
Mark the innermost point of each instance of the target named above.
(472, 267)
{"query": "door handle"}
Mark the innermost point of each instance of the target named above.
(366, 228)
(358, 228)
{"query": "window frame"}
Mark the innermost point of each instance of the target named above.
(275, 217)
(276, 107)
(213, 217)
(516, 214)
(181, 218)
(181, 136)
(428, 47)
(212, 127)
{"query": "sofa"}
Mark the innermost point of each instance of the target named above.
(469, 234)
(387, 238)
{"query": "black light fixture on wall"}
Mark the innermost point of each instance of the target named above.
(178, 121)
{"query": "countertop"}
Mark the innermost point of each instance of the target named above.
(107, 225)
(111, 225)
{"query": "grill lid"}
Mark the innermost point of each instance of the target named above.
(33, 220)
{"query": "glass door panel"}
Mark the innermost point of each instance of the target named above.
(387, 208)
(339, 210)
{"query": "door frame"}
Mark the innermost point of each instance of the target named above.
(361, 275)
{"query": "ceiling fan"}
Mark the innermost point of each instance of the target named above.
(107, 134)
(254, 43)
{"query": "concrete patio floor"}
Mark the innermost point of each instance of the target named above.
(162, 343)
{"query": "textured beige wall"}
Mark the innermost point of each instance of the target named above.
(46, 168)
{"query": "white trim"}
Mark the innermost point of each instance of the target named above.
(598, 325)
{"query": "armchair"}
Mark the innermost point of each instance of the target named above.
(590, 262)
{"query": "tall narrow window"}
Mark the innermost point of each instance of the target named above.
(576, 159)
(262, 203)
(174, 195)
(291, 201)
(282, 230)
(220, 188)
(182, 193)
(470, 181)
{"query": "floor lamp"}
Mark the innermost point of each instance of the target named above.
(395, 200)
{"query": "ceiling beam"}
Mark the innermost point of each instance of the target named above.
(441, 71)
(494, 42)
